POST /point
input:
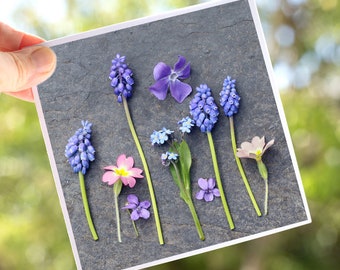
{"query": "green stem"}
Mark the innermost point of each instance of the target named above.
(264, 174)
(135, 227)
(240, 168)
(117, 211)
(266, 197)
(86, 206)
(146, 172)
(219, 182)
(196, 220)
(187, 198)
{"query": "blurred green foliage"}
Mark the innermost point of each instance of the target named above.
(303, 41)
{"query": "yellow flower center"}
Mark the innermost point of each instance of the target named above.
(258, 152)
(121, 172)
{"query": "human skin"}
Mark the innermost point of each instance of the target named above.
(23, 63)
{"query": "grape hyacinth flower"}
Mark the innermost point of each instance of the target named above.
(230, 102)
(204, 109)
(208, 190)
(121, 78)
(178, 159)
(122, 82)
(167, 77)
(204, 112)
(118, 175)
(255, 150)
(80, 152)
(138, 209)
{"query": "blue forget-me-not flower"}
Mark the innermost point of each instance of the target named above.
(186, 124)
(161, 136)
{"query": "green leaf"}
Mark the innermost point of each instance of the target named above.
(177, 179)
(185, 161)
(182, 175)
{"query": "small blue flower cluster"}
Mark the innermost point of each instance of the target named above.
(204, 109)
(79, 150)
(121, 78)
(186, 124)
(161, 136)
(229, 97)
(168, 157)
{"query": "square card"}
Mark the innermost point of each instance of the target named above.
(218, 38)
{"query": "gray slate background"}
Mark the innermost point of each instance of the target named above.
(218, 41)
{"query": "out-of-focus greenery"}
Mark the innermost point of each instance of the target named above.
(304, 44)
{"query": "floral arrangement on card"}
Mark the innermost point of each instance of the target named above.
(174, 151)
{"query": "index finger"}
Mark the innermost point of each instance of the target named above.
(12, 40)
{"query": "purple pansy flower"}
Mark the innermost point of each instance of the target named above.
(166, 78)
(139, 209)
(208, 190)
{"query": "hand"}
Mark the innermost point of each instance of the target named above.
(23, 66)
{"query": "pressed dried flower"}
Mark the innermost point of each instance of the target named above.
(208, 190)
(80, 152)
(167, 77)
(138, 209)
(123, 173)
(255, 150)
(230, 102)
(203, 109)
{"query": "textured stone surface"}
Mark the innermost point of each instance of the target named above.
(218, 41)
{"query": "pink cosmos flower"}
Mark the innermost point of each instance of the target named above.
(255, 149)
(124, 171)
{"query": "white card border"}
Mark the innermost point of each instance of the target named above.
(161, 16)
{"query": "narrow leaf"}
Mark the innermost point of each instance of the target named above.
(185, 161)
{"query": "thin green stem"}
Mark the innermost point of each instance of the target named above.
(134, 226)
(117, 215)
(187, 198)
(146, 172)
(264, 174)
(219, 182)
(240, 168)
(196, 220)
(86, 206)
(266, 197)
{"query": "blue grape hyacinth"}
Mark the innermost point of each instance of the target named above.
(230, 100)
(79, 150)
(121, 78)
(204, 109)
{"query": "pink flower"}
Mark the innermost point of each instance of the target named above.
(255, 149)
(124, 171)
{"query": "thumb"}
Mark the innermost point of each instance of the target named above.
(28, 67)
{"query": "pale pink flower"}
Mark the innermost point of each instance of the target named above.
(124, 171)
(255, 149)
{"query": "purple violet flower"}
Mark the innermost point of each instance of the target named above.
(208, 190)
(79, 150)
(166, 78)
(203, 109)
(139, 209)
(230, 100)
(121, 78)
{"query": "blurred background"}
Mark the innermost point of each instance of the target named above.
(304, 44)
